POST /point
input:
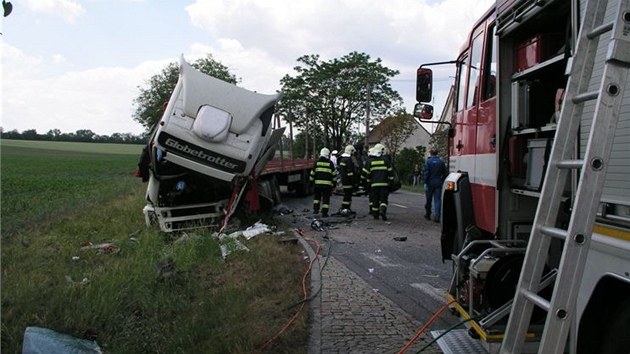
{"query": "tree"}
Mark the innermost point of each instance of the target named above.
(299, 144)
(84, 135)
(160, 87)
(332, 97)
(406, 160)
(439, 140)
(397, 128)
(53, 134)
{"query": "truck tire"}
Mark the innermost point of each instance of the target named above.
(275, 191)
(617, 338)
(304, 188)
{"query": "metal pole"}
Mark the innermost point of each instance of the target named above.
(306, 138)
(367, 118)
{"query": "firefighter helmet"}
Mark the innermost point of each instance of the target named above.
(379, 149)
(324, 153)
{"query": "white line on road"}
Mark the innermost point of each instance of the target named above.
(398, 205)
(434, 293)
(381, 260)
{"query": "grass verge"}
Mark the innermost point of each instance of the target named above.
(145, 293)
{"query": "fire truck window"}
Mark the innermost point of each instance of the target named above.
(463, 68)
(475, 65)
(490, 69)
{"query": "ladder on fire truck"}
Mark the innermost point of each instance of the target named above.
(608, 99)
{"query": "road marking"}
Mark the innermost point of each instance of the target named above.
(398, 205)
(381, 260)
(433, 293)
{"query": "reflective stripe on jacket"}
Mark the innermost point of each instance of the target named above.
(378, 171)
(323, 172)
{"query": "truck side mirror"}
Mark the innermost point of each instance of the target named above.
(424, 85)
(423, 111)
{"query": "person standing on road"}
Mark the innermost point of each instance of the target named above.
(379, 173)
(324, 176)
(333, 157)
(434, 175)
(348, 181)
(416, 174)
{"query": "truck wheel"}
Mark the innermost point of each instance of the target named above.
(304, 188)
(616, 339)
(275, 191)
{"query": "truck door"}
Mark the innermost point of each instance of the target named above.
(474, 144)
(483, 66)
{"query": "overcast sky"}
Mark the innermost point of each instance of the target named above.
(77, 64)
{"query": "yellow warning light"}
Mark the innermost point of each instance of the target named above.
(450, 186)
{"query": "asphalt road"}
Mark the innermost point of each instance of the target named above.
(409, 272)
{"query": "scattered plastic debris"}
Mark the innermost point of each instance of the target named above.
(106, 247)
(75, 258)
(255, 230)
(234, 245)
(317, 225)
(69, 280)
(371, 270)
(42, 340)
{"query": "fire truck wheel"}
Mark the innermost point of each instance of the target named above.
(617, 340)
(502, 279)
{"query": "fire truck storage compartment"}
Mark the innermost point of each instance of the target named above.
(533, 103)
(536, 160)
(536, 50)
(517, 151)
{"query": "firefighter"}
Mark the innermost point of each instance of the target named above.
(324, 176)
(348, 181)
(378, 173)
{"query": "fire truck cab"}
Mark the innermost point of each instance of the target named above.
(511, 76)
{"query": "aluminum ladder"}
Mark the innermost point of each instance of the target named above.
(592, 169)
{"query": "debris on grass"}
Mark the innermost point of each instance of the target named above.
(42, 340)
(106, 247)
(231, 246)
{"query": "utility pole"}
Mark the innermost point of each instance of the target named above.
(367, 118)
(306, 138)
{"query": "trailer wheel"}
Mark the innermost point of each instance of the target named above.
(616, 340)
(275, 191)
(304, 188)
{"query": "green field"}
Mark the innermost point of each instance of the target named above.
(58, 198)
(43, 180)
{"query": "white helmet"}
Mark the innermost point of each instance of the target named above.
(335, 152)
(324, 153)
(349, 150)
(379, 149)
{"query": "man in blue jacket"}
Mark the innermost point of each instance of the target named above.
(434, 175)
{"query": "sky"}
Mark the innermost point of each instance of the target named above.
(78, 64)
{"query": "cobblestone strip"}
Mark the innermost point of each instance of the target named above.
(356, 319)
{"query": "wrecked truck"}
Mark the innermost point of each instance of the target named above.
(213, 153)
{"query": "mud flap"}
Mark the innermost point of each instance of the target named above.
(457, 214)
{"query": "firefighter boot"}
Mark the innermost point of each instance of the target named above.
(383, 212)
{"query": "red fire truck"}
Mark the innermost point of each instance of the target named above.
(536, 208)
